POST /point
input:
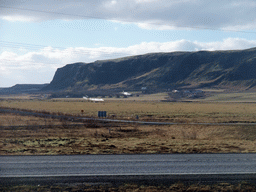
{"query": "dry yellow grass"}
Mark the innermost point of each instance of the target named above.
(117, 139)
(130, 138)
(185, 112)
(16, 120)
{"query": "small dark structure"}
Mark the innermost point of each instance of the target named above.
(102, 114)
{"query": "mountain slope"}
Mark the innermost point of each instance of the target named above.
(23, 88)
(162, 70)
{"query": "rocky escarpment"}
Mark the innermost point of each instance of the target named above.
(162, 70)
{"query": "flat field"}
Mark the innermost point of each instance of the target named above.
(159, 111)
(56, 137)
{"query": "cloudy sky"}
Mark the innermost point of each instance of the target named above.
(37, 37)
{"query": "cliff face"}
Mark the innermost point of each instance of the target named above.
(162, 70)
(64, 77)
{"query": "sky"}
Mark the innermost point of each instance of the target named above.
(37, 37)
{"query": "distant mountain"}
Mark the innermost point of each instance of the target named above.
(23, 88)
(228, 69)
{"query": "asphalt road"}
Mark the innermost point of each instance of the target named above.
(124, 168)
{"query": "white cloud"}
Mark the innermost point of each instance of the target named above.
(144, 1)
(40, 66)
(148, 14)
(18, 18)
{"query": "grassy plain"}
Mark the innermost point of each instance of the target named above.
(93, 138)
(160, 111)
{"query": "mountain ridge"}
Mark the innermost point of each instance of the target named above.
(23, 88)
(231, 69)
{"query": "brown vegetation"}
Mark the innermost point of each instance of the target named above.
(133, 187)
(157, 111)
(91, 137)
(28, 135)
(36, 135)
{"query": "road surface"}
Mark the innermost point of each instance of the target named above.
(155, 168)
